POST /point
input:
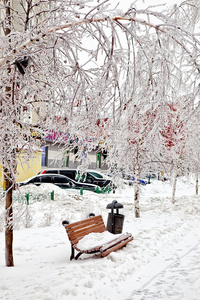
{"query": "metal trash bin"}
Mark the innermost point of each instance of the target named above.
(115, 220)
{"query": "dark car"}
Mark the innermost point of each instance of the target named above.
(88, 177)
(60, 181)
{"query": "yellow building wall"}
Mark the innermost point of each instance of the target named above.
(26, 167)
(1, 176)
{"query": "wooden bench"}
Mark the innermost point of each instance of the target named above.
(76, 231)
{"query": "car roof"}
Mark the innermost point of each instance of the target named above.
(58, 169)
(60, 175)
(46, 174)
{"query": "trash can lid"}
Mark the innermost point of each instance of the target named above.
(116, 205)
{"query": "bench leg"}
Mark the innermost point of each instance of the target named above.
(88, 252)
(79, 254)
(72, 254)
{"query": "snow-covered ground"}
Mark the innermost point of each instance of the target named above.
(165, 249)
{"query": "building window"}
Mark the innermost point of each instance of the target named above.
(44, 156)
(98, 160)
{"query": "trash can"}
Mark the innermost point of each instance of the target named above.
(115, 220)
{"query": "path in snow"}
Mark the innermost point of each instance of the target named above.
(179, 280)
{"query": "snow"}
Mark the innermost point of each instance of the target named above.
(95, 239)
(162, 262)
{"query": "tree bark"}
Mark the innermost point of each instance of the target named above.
(137, 179)
(176, 171)
(8, 219)
(7, 175)
(137, 200)
(197, 183)
(174, 185)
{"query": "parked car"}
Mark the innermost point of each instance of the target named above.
(129, 179)
(60, 181)
(91, 177)
(151, 176)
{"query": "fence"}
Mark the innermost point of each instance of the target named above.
(30, 197)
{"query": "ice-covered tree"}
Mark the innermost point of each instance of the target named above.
(80, 61)
(164, 71)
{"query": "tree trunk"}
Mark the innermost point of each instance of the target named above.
(176, 171)
(9, 183)
(137, 179)
(197, 183)
(8, 219)
(7, 174)
(174, 185)
(137, 200)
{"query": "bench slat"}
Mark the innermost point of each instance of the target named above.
(74, 237)
(117, 240)
(116, 247)
(97, 249)
(78, 230)
(80, 224)
(88, 227)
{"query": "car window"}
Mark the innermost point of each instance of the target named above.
(70, 174)
(46, 179)
(97, 175)
(35, 179)
(80, 177)
(89, 178)
(86, 177)
(59, 179)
